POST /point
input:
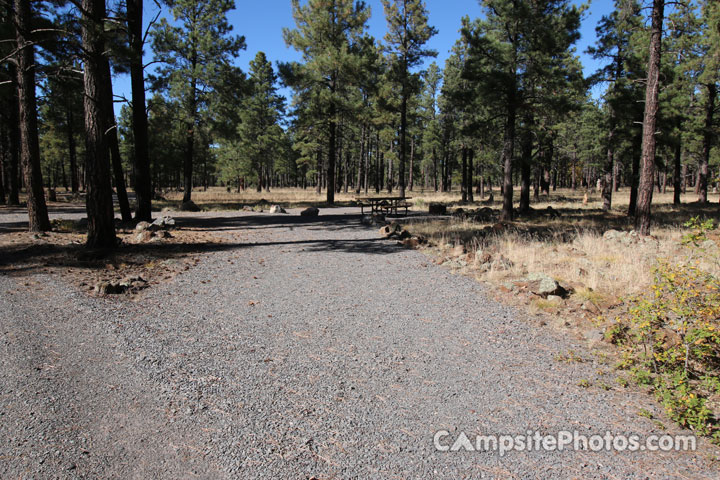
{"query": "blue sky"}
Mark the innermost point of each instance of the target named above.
(261, 22)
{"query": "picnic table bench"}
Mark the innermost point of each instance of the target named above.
(385, 205)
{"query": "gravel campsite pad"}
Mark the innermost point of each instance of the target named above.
(300, 348)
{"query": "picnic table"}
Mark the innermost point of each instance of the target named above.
(385, 205)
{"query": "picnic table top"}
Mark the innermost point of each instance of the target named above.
(379, 199)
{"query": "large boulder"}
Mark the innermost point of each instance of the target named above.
(310, 212)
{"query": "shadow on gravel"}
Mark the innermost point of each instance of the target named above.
(262, 221)
(38, 256)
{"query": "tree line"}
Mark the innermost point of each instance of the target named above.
(509, 108)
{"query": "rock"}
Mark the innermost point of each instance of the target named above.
(277, 209)
(366, 220)
(484, 214)
(164, 223)
(142, 226)
(109, 288)
(613, 234)
(437, 209)
(189, 206)
(555, 298)
(247, 208)
(310, 212)
(390, 230)
(709, 245)
(167, 210)
(143, 236)
(412, 242)
(403, 234)
(163, 234)
(501, 264)
(595, 335)
(544, 285)
(482, 258)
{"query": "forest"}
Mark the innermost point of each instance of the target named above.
(510, 108)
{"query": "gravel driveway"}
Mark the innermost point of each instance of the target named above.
(300, 349)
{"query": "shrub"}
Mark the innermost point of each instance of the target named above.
(671, 341)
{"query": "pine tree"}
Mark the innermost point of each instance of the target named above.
(708, 80)
(259, 135)
(194, 52)
(141, 159)
(649, 143)
(101, 216)
(510, 51)
(408, 32)
(329, 35)
(27, 108)
(614, 34)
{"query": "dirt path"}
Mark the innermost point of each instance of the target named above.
(300, 349)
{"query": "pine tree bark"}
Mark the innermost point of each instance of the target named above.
(463, 168)
(141, 163)
(14, 147)
(101, 217)
(708, 135)
(507, 153)
(677, 173)
(403, 135)
(113, 144)
(72, 150)
(471, 169)
(526, 167)
(652, 89)
(27, 109)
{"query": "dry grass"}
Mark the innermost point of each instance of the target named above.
(571, 248)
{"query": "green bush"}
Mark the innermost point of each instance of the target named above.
(671, 341)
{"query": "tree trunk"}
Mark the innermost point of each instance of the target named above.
(14, 147)
(101, 218)
(677, 173)
(411, 177)
(463, 186)
(360, 160)
(27, 108)
(141, 163)
(435, 168)
(330, 198)
(111, 137)
(607, 178)
(708, 135)
(403, 134)
(508, 151)
(72, 150)
(471, 156)
(526, 167)
(647, 174)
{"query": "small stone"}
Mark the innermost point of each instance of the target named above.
(142, 226)
(310, 212)
(277, 209)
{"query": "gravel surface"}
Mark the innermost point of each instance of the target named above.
(301, 348)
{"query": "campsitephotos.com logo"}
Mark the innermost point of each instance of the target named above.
(444, 441)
